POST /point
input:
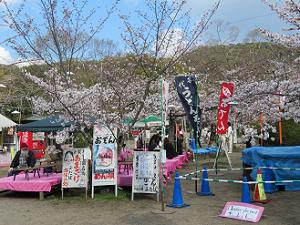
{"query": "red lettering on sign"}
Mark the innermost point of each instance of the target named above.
(104, 176)
(77, 170)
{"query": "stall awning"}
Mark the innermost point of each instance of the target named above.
(5, 122)
(49, 124)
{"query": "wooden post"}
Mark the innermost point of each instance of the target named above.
(62, 192)
(280, 131)
(261, 128)
(41, 195)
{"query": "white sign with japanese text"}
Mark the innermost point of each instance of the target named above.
(104, 169)
(75, 171)
(145, 172)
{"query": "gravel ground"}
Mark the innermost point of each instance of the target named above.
(26, 209)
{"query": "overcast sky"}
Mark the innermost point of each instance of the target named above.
(244, 14)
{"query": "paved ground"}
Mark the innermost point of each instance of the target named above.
(26, 209)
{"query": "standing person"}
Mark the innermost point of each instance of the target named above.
(223, 146)
(248, 142)
(212, 136)
(222, 140)
(229, 137)
(170, 150)
(180, 140)
(23, 158)
(140, 142)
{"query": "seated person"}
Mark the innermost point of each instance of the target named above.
(170, 150)
(23, 158)
(154, 141)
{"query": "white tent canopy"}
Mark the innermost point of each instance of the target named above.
(5, 122)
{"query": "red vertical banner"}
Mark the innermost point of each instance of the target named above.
(224, 108)
(26, 138)
(35, 141)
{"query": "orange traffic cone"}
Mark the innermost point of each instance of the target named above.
(259, 191)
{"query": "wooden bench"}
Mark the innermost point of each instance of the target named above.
(35, 169)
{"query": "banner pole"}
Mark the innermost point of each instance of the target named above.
(196, 141)
(161, 147)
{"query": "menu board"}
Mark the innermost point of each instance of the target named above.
(242, 211)
(145, 172)
(75, 169)
(104, 170)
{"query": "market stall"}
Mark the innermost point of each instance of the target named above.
(8, 140)
(34, 134)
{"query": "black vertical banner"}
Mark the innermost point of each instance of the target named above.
(187, 91)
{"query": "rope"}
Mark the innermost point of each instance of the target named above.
(246, 168)
(238, 181)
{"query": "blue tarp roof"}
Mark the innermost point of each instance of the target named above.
(49, 124)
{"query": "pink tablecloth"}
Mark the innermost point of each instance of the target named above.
(181, 159)
(170, 166)
(34, 184)
(124, 179)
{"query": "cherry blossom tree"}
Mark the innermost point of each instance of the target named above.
(277, 95)
(118, 89)
(59, 38)
(163, 35)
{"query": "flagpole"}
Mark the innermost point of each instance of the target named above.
(196, 141)
(176, 129)
(162, 145)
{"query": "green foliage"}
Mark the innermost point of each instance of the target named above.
(122, 195)
(256, 57)
(78, 196)
(290, 134)
(79, 141)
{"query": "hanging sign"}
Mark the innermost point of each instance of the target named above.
(104, 171)
(165, 98)
(242, 211)
(145, 178)
(224, 108)
(75, 169)
(187, 91)
(35, 142)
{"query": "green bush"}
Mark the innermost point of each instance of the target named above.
(79, 141)
(290, 134)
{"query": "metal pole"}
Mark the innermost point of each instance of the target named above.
(161, 148)
(196, 155)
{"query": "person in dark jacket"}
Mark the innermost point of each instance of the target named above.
(248, 142)
(23, 158)
(170, 150)
(154, 141)
(180, 143)
(140, 142)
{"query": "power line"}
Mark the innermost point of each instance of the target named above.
(252, 18)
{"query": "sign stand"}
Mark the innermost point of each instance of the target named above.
(145, 178)
(105, 159)
(75, 170)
